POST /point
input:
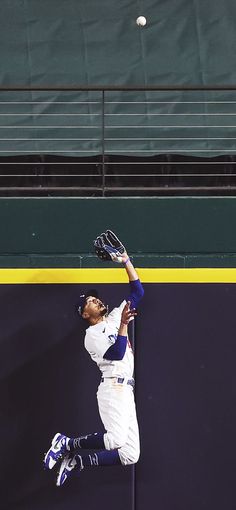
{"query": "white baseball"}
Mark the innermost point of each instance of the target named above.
(141, 21)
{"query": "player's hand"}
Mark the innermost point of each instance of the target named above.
(127, 313)
(118, 257)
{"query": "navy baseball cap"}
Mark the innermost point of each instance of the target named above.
(82, 300)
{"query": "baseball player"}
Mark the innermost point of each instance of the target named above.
(106, 340)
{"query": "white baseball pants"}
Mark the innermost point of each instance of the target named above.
(118, 413)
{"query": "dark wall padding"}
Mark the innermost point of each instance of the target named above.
(185, 392)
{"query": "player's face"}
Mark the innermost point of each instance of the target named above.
(94, 308)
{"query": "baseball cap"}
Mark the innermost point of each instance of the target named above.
(82, 300)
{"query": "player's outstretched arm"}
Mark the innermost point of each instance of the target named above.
(109, 247)
(130, 270)
(136, 289)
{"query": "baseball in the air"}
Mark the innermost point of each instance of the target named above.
(141, 21)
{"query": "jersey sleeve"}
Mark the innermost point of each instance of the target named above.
(117, 351)
(136, 293)
(97, 343)
(116, 312)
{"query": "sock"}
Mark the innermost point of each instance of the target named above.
(102, 458)
(88, 442)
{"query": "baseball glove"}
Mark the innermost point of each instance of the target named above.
(109, 247)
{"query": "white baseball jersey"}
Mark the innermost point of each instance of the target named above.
(100, 337)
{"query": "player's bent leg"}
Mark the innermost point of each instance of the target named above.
(62, 444)
(74, 464)
(118, 413)
(129, 455)
(130, 451)
(115, 439)
(90, 441)
(114, 403)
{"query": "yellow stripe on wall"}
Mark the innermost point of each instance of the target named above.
(116, 275)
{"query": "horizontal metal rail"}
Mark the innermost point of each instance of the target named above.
(35, 176)
(114, 88)
(52, 139)
(115, 188)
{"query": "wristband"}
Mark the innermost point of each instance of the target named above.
(125, 262)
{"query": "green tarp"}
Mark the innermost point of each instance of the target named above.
(77, 43)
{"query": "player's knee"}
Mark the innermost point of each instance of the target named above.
(135, 458)
(113, 442)
(129, 457)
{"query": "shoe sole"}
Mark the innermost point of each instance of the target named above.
(53, 462)
(63, 467)
(60, 471)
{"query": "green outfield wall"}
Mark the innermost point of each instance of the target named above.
(158, 232)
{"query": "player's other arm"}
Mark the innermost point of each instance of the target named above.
(117, 351)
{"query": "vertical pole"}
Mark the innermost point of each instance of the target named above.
(133, 468)
(103, 142)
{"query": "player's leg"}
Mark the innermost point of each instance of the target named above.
(129, 453)
(62, 445)
(74, 463)
(114, 404)
(117, 411)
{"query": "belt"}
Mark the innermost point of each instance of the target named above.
(120, 380)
